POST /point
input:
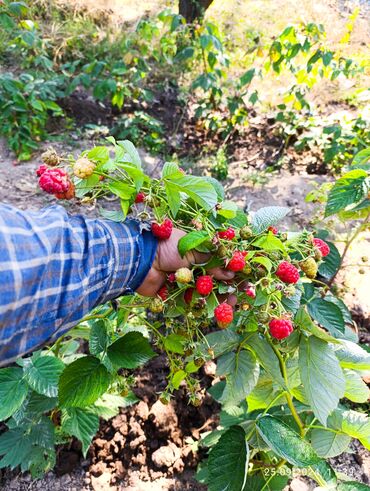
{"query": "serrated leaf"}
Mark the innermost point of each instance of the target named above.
(83, 382)
(331, 262)
(175, 343)
(247, 77)
(15, 446)
(228, 209)
(265, 217)
(356, 389)
(81, 423)
(217, 185)
(130, 351)
(108, 405)
(42, 374)
(101, 154)
(352, 486)
(304, 321)
(241, 377)
(229, 473)
(347, 190)
(266, 357)
(285, 442)
(171, 169)
(99, 339)
(191, 241)
(114, 215)
(198, 189)
(13, 391)
(265, 261)
(362, 159)
(122, 190)
(173, 198)
(221, 341)
(131, 151)
(321, 375)
(351, 355)
(178, 377)
(353, 423)
(328, 443)
(327, 314)
(269, 243)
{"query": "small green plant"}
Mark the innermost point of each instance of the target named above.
(286, 353)
(219, 165)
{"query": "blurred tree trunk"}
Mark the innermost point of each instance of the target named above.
(192, 10)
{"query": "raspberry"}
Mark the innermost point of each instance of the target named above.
(156, 305)
(246, 232)
(69, 194)
(309, 267)
(280, 328)
(50, 157)
(322, 246)
(83, 168)
(41, 170)
(287, 272)
(274, 230)
(237, 262)
(163, 293)
(227, 234)
(183, 275)
(188, 295)
(171, 277)
(224, 315)
(140, 197)
(162, 230)
(251, 292)
(54, 181)
(204, 285)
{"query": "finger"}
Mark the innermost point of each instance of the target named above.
(195, 257)
(221, 274)
(232, 300)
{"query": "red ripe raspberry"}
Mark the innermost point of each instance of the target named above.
(140, 197)
(250, 292)
(287, 272)
(41, 170)
(163, 293)
(273, 229)
(171, 277)
(237, 262)
(188, 295)
(280, 328)
(204, 285)
(162, 230)
(227, 234)
(224, 315)
(322, 246)
(54, 181)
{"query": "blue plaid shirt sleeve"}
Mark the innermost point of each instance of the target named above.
(55, 268)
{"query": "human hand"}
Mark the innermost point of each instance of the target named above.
(168, 260)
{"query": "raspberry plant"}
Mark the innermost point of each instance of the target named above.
(286, 353)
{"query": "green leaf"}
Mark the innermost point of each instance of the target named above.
(321, 375)
(15, 446)
(347, 190)
(100, 154)
(175, 343)
(328, 443)
(356, 389)
(131, 151)
(362, 159)
(353, 423)
(263, 394)
(269, 243)
(114, 215)
(171, 169)
(229, 474)
(178, 377)
(122, 190)
(265, 261)
(352, 486)
(228, 209)
(83, 382)
(191, 241)
(285, 442)
(304, 321)
(266, 357)
(256, 482)
(130, 351)
(81, 423)
(241, 377)
(200, 190)
(217, 185)
(108, 405)
(173, 198)
(331, 263)
(351, 355)
(43, 374)
(99, 339)
(13, 391)
(265, 217)
(327, 314)
(221, 341)
(247, 77)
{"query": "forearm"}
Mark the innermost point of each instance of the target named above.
(55, 268)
